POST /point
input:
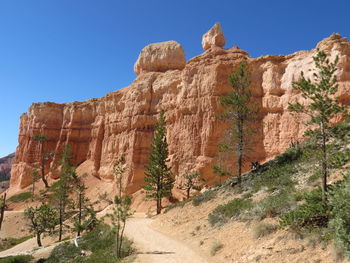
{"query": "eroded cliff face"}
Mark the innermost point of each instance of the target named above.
(123, 121)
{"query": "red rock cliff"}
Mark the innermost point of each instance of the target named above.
(122, 122)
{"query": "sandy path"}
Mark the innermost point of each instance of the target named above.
(154, 247)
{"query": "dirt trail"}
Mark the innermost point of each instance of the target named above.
(154, 247)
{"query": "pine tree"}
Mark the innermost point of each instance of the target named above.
(323, 107)
(158, 177)
(122, 209)
(61, 190)
(191, 181)
(239, 112)
(34, 177)
(42, 139)
(42, 219)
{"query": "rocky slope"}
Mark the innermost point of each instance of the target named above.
(5, 166)
(5, 171)
(122, 122)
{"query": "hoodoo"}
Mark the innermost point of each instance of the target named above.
(122, 122)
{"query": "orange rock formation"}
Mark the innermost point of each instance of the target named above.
(122, 122)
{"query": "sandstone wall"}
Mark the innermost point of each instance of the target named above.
(122, 122)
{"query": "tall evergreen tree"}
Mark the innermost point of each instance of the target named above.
(42, 139)
(323, 107)
(122, 208)
(239, 112)
(34, 176)
(158, 176)
(61, 190)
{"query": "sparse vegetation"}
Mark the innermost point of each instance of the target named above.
(7, 243)
(263, 229)
(215, 248)
(17, 259)
(18, 198)
(99, 246)
(232, 209)
(203, 197)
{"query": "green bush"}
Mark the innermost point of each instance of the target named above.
(263, 229)
(290, 155)
(307, 216)
(276, 204)
(16, 259)
(203, 197)
(101, 242)
(340, 213)
(234, 208)
(20, 197)
(275, 178)
(339, 158)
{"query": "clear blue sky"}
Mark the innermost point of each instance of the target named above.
(67, 50)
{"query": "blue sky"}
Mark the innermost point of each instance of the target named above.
(68, 50)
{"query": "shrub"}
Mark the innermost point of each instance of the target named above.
(16, 259)
(203, 197)
(263, 229)
(215, 248)
(177, 204)
(20, 197)
(290, 155)
(277, 204)
(340, 213)
(310, 215)
(101, 242)
(234, 208)
(339, 158)
(275, 178)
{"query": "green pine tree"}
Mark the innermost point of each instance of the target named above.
(323, 107)
(42, 219)
(158, 176)
(239, 112)
(61, 190)
(42, 139)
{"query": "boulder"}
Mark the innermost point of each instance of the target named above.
(160, 57)
(214, 37)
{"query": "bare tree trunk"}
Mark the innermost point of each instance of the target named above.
(159, 205)
(38, 239)
(80, 213)
(42, 161)
(324, 166)
(60, 222)
(2, 210)
(240, 151)
(188, 192)
(121, 240)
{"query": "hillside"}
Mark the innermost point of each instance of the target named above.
(229, 225)
(5, 171)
